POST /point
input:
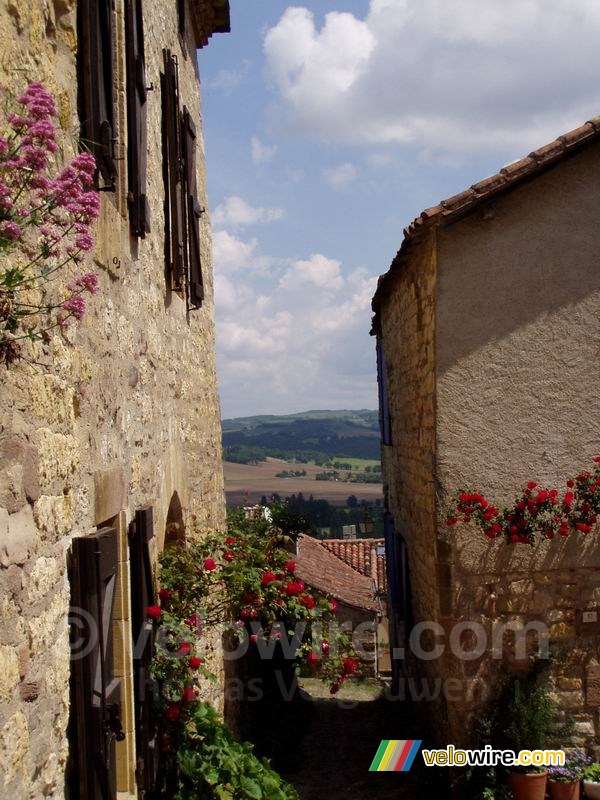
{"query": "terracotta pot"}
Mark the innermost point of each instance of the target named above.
(528, 785)
(564, 790)
(591, 790)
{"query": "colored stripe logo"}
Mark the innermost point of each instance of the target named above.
(395, 755)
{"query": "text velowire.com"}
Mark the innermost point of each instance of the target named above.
(489, 757)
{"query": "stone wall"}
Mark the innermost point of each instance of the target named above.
(123, 413)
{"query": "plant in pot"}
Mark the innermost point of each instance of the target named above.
(591, 781)
(524, 719)
(565, 781)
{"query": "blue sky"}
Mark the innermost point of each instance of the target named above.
(328, 127)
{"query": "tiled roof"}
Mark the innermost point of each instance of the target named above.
(454, 208)
(357, 553)
(325, 572)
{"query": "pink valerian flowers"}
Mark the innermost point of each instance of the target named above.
(45, 213)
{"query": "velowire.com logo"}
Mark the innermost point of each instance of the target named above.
(395, 755)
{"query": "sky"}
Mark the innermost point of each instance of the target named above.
(328, 127)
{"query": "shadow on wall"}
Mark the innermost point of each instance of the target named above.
(174, 528)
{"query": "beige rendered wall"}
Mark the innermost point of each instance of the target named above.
(124, 414)
(517, 343)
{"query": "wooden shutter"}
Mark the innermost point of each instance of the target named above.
(173, 175)
(194, 211)
(96, 83)
(141, 532)
(96, 690)
(385, 422)
(139, 212)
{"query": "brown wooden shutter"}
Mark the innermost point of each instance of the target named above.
(139, 212)
(141, 532)
(96, 690)
(194, 211)
(175, 256)
(96, 83)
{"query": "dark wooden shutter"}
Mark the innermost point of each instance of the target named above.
(194, 211)
(182, 17)
(139, 212)
(96, 83)
(175, 255)
(385, 422)
(141, 532)
(96, 690)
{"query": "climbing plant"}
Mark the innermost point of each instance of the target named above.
(46, 214)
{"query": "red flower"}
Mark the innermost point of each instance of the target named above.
(293, 588)
(333, 605)
(325, 646)
(568, 499)
(531, 485)
(248, 598)
(194, 621)
(312, 658)
(254, 638)
(308, 601)
(188, 695)
(290, 566)
(581, 526)
(549, 534)
(229, 540)
(154, 612)
(267, 578)
(515, 538)
(300, 585)
(451, 521)
(597, 460)
(173, 712)
(183, 649)
(521, 505)
(570, 483)
(349, 666)
(229, 555)
(337, 685)
(194, 662)
(165, 594)
(210, 565)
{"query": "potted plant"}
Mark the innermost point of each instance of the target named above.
(565, 781)
(591, 781)
(524, 717)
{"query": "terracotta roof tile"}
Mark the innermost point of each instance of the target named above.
(318, 567)
(357, 553)
(453, 208)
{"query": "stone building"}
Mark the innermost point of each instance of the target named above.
(488, 335)
(112, 445)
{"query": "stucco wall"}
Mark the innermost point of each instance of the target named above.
(517, 343)
(124, 414)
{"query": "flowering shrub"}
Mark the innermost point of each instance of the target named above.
(45, 224)
(576, 762)
(536, 512)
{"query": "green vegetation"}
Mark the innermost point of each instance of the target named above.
(317, 437)
(325, 521)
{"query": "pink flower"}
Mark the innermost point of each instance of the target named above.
(11, 230)
(76, 306)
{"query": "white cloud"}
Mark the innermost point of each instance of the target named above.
(261, 153)
(445, 77)
(226, 80)
(237, 212)
(340, 177)
(231, 254)
(306, 342)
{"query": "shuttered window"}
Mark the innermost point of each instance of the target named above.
(385, 422)
(139, 212)
(96, 690)
(95, 64)
(175, 255)
(141, 532)
(194, 211)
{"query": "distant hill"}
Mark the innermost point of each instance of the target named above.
(309, 435)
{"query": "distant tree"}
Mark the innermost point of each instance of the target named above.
(352, 501)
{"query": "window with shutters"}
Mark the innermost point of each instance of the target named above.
(95, 65)
(175, 266)
(183, 211)
(385, 422)
(137, 154)
(96, 691)
(141, 533)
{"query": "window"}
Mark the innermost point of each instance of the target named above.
(96, 691)
(96, 84)
(139, 212)
(385, 422)
(182, 210)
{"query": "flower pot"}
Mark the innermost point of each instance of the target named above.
(591, 790)
(564, 790)
(528, 785)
